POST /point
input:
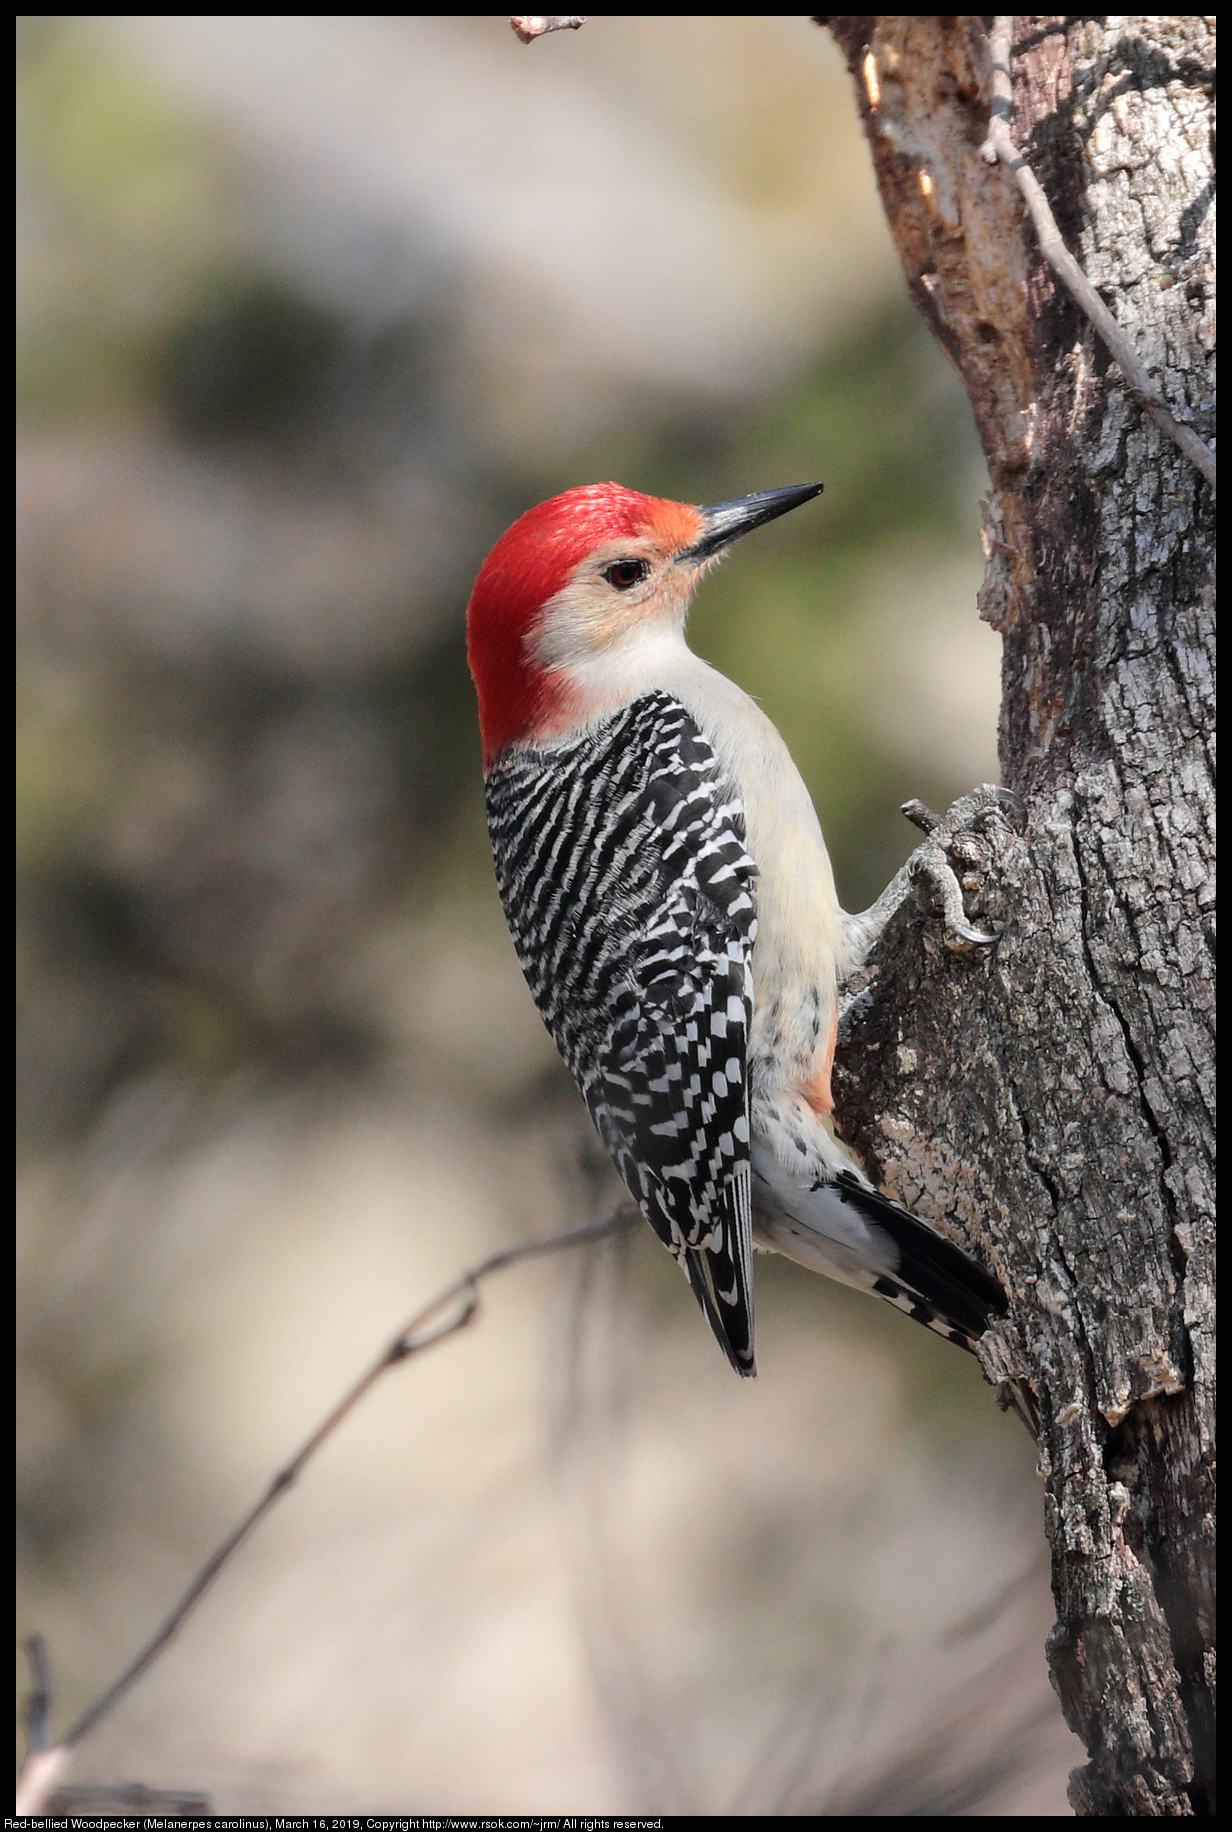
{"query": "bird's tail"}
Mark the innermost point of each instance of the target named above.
(722, 1279)
(934, 1281)
(841, 1226)
(836, 1223)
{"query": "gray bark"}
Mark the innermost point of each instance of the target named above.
(1051, 1101)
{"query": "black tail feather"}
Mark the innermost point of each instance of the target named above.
(963, 1295)
(719, 1285)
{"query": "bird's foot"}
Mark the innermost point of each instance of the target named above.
(953, 859)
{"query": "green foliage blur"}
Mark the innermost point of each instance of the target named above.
(157, 745)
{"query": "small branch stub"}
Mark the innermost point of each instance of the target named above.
(529, 28)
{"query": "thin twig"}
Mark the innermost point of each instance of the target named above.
(424, 1330)
(38, 1701)
(1000, 145)
(530, 27)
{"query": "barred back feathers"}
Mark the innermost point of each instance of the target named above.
(628, 889)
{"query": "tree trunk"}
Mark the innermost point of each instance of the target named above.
(1052, 1101)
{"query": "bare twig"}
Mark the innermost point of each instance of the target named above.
(38, 1700)
(449, 1312)
(1000, 145)
(529, 28)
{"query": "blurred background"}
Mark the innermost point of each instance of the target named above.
(309, 308)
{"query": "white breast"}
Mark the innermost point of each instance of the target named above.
(799, 930)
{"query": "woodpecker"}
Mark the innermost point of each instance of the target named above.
(672, 904)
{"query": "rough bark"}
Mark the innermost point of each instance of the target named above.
(1053, 1102)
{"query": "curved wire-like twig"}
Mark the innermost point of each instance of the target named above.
(423, 1331)
(1000, 146)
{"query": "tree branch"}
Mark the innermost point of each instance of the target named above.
(1051, 1123)
(1000, 146)
(429, 1326)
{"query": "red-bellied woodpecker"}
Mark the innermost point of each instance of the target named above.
(671, 901)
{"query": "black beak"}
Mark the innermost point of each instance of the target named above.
(726, 522)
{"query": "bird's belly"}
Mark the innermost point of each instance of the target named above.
(795, 960)
(791, 1043)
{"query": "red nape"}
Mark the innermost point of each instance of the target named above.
(527, 567)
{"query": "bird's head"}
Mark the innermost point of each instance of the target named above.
(578, 584)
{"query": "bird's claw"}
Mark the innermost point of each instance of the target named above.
(931, 862)
(969, 808)
(953, 837)
(951, 841)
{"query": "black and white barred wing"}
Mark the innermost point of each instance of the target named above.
(631, 897)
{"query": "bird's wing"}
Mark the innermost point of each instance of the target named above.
(631, 896)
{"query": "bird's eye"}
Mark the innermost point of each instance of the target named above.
(624, 573)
